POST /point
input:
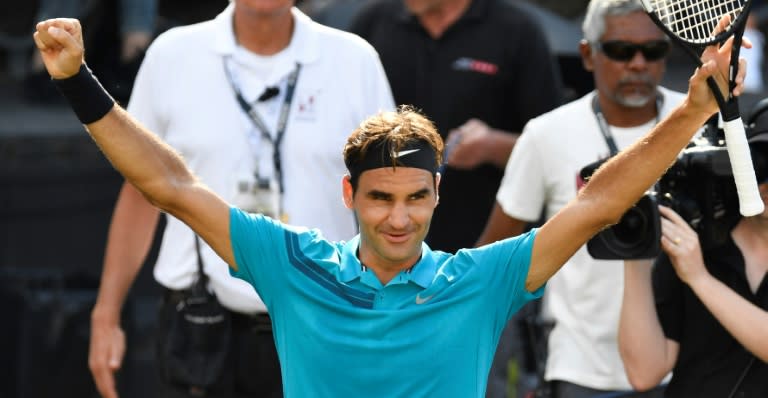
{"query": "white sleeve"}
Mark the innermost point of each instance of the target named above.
(522, 192)
(378, 92)
(146, 103)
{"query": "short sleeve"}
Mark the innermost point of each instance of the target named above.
(506, 264)
(259, 246)
(522, 191)
(147, 103)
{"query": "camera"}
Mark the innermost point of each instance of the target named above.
(699, 186)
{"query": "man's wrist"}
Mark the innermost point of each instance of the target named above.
(86, 96)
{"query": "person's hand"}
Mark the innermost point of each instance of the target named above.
(105, 355)
(681, 243)
(60, 42)
(716, 63)
(134, 44)
(467, 145)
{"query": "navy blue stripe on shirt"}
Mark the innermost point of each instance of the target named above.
(308, 267)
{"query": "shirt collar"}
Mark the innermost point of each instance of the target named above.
(422, 273)
(304, 42)
(477, 10)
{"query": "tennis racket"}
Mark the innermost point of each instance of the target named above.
(691, 24)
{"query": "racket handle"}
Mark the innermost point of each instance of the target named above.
(750, 203)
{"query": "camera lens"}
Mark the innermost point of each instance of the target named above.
(631, 230)
(634, 236)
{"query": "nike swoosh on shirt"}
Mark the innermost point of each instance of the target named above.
(406, 152)
(420, 300)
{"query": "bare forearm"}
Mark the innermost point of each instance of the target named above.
(152, 166)
(621, 182)
(642, 343)
(130, 236)
(500, 145)
(746, 322)
(613, 188)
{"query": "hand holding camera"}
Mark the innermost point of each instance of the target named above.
(699, 188)
(681, 243)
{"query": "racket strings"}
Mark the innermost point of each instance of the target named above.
(694, 21)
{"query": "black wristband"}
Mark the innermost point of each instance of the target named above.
(85, 95)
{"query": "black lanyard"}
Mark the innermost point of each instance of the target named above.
(603, 124)
(258, 122)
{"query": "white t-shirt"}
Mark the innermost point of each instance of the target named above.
(753, 82)
(182, 93)
(583, 297)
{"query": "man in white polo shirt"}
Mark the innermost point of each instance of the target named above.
(258, 101)
(626, 54)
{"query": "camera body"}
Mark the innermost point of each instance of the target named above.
(699, 186)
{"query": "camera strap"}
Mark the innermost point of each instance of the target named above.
(741, 377)
(202, 278)
(282, 121)
(605, 128)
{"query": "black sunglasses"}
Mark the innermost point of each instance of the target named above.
(618, 50)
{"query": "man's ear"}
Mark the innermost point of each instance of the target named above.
(437, 188)
(585, 49)
(346, 190)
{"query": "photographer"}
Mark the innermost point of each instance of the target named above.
(543, 173)
(705, 316)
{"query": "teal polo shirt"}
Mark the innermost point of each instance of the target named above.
(431, 331)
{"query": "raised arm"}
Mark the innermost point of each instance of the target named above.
(152, 166)
(620, 182)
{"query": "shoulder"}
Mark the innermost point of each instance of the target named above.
(671, 98)
(256, 227)
(512, 248)
(512, 17)
(377, 16)
(378, 10)
(507, 254)
(563, 117)
(510, 11)
(340, 40)
(188, 39)
(336, 43)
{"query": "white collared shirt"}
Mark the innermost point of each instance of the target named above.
(181, 93)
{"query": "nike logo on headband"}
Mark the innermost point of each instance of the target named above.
(406, 152)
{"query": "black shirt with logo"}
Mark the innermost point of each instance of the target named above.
(493, 64)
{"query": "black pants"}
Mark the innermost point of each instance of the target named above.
(252, 368)
(564, 389)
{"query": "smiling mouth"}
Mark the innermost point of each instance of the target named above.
(397, 237)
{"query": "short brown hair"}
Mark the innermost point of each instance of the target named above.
(394, 129)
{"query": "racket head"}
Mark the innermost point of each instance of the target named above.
(693, 21)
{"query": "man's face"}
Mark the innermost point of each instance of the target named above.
(630, 83)
(394, 208)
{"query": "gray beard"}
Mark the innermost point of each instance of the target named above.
(634, 101)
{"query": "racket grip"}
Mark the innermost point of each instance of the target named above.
(750, 202)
